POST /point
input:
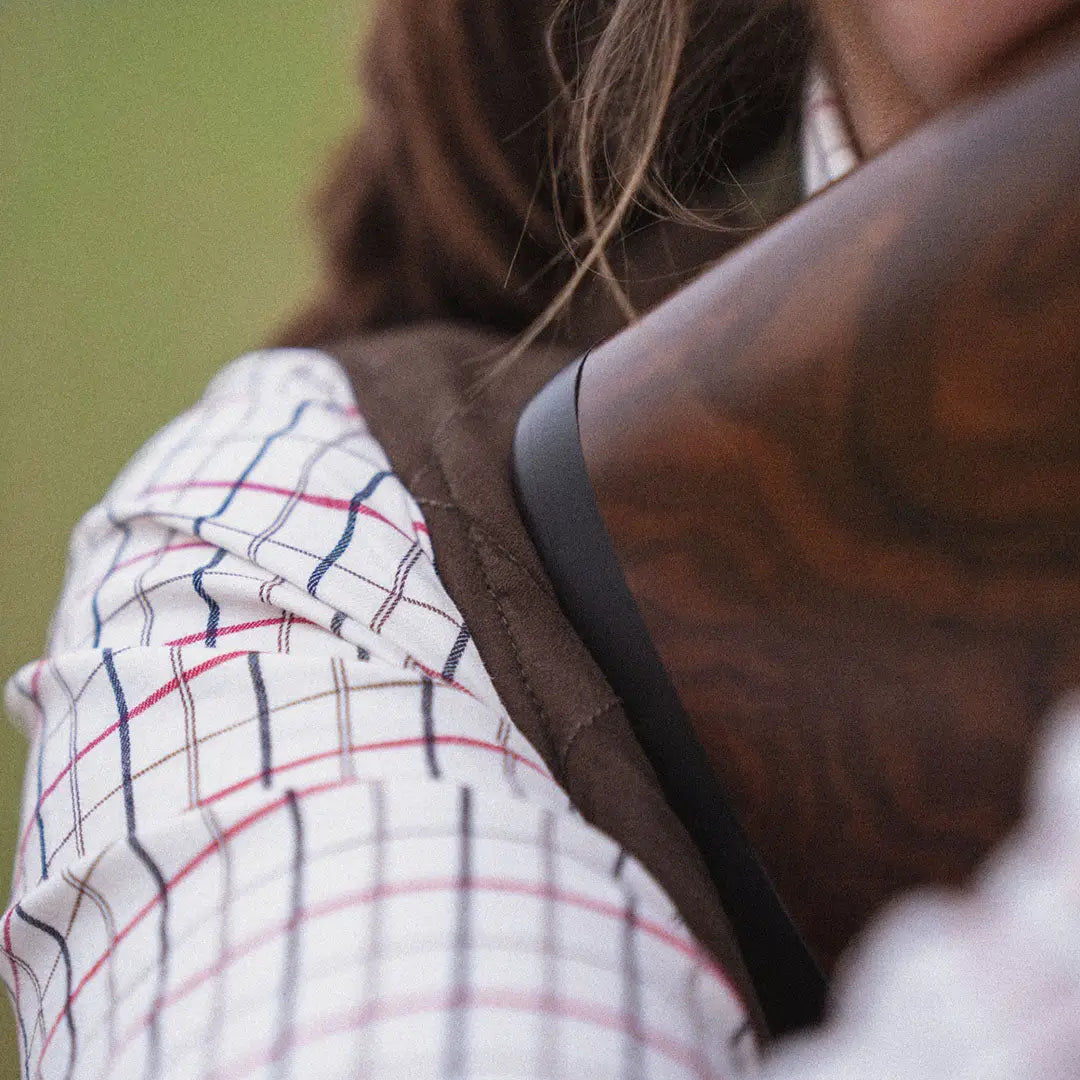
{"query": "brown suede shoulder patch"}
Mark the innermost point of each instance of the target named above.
(450, 444)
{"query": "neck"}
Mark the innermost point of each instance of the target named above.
(895, 64)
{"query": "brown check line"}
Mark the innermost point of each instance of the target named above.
(216, 659)
(152, 699)
(77, 884)
(19, 964)
(191, 736)
(83, 595)
(139, 586)
(504, 733)
(397, 590)
(73, 749)
(389, 684)
(343, 714)
(370, 838)
(506, 887)
(82, 888)
(284, 633)
(73, 758)
(308, 698)
(267, 588)
(655, 1039)
(685, 945)
(436, 675)
(239, 826)
(161, 551)
(702, 961)
(287, 547)
(135, 597)
(326, 502)
(319, 450)
(105, 910)
(245, 948)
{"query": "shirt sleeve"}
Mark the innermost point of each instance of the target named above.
(276, 822)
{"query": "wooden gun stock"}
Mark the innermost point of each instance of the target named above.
(841, 475)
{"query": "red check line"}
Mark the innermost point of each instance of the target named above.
(161, 692)
(201, 857)
(507, 1000)
(160, 551)
(173, 684)
(35, 686)
(329, 502)
(440, 678)
(497, 886)
(490, 885)
(388, 744)
(237, 628)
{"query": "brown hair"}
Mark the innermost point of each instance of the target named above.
(508, 145)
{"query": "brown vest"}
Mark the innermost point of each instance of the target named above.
(450, 443)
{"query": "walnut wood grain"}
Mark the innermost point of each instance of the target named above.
(842, 475)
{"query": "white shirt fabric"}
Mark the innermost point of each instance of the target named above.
(276, 822)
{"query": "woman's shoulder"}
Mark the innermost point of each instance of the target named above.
(259, 390)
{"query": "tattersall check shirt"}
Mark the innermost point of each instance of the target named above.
(277, 824)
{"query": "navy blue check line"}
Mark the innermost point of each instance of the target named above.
(239, 482)
(457, 650)
(154, 1035)
(37, 813)
(263, 705)
(125, 529)
(321, 450)
(342, 545)
(40, 783)
(120, 608)
(62, 945)
(297, 550)
(214, 617)
(427, 716)
(125, 739)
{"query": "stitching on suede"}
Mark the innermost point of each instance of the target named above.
(414, 480)
(490, 541)
(580, 728)
(480, 542)
(525, 682)
(476, 543)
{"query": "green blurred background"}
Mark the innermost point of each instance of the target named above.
(155, 159)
